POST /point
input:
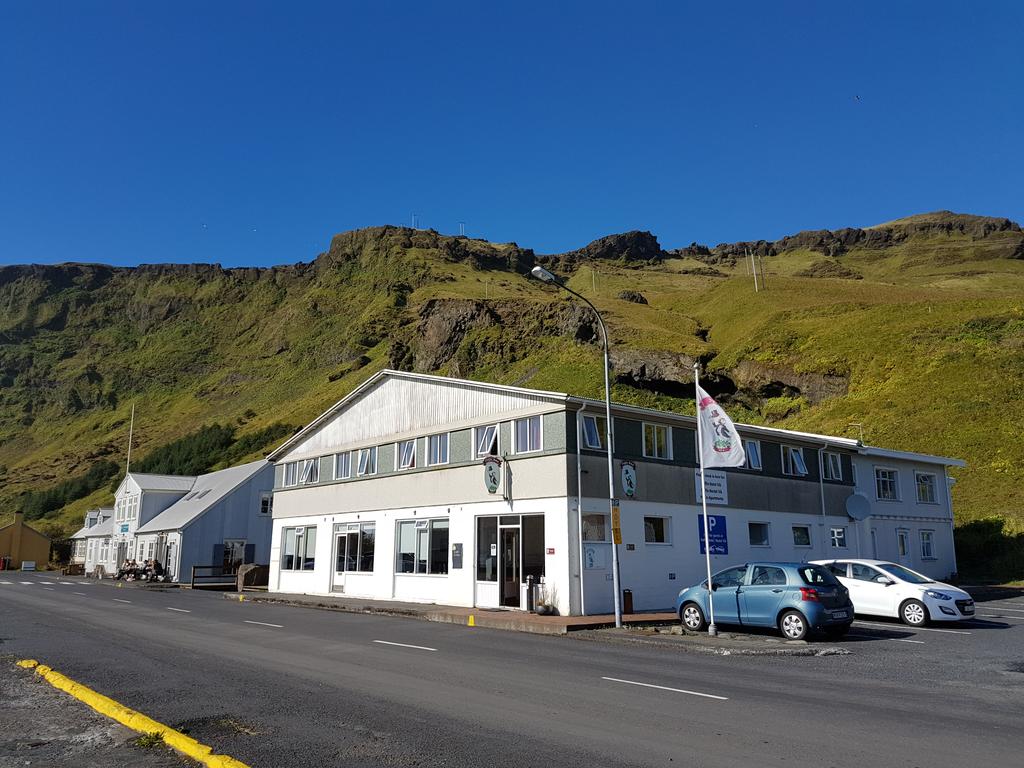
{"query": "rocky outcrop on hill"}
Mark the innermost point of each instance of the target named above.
(829, 268)
(634, 248)
(766, 381)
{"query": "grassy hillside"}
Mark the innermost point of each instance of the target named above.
(920, 341)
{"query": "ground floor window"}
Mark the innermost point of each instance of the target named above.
(595, 527)
(801, 535)
(758, 533)
(423, 546)
(354, 546)
(487, 549)
(838, 536)
(298, 548)
(927, 545)
(234, 554)
(656, 530)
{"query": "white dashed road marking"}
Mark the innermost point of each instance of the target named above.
(66, 583)
(119, 600)
(50, 588)
(898, 628)
(6, 582)
(406, 645)
(29, 583)
(264, 624)
(46, 582)
(179, 610)
(79, 593)
(666, 688)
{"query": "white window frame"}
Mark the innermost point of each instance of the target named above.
(267, 504)
(666, 527)
(668, 441)
(793, 464)
(495, 441)
(291, 474)
(837, 532)
(440, 439)
(930, 542)
(343, 465)
(405, 459)
(810, 540)
(831, 466)
(757, 465)
(540, 435)
(370, 464)
(598, 431)
(895, 480)
(308, 475)
(768, 529)
(934, 487)
(427, 524)
(300, 550)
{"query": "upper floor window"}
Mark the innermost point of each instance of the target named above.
(437, 449)
(594, 432)
(310, 471)
(266, 504)
(753, 450)
(926, 488)
(291, 474)
(832, 466)
(343, 466)
(793, 461)
(486, 440)
(887, 485)
(657, 441)
(367, 461)
(528, 436)
(407, 454)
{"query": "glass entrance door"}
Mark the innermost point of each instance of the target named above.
(511, 567)
(346, 553)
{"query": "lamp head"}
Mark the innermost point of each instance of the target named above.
(543, 275)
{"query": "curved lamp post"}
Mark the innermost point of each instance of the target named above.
(547, 277)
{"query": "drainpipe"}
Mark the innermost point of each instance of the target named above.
(952, 522)
(821, 491)
(579, 505)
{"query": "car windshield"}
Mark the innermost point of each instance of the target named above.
(905, 574)
(815, 574)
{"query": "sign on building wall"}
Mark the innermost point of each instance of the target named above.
(492, 473)
(593, 557)
(717, 531)
(124, 527)
(716, 484)
(629, 478)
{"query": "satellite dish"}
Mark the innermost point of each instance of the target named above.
(858, 506)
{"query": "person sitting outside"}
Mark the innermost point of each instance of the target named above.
(156, 571)
(124, 570)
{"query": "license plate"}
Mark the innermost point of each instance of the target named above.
(839, 614)
(968, 609)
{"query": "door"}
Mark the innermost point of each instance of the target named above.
(122, 553)
(511, 567)
(234, 555)
(903, 546)
(346, 554)
(867, 594)
(725, 595)
(760, 600)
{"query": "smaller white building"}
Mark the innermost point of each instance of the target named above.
(79, 541)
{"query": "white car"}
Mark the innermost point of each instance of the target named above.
(881, 588)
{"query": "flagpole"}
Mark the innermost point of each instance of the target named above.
(712, 629)
(131, 429)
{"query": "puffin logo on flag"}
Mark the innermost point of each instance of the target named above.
(720, 443)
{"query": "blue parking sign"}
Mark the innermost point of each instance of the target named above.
(718, 533)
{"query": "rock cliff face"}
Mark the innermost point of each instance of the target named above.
(634, 248)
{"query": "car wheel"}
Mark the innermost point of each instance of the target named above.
(914, 613)
(692, 617)
(834, 633)
(793, 625)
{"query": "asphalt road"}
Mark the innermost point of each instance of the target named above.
(275, 685)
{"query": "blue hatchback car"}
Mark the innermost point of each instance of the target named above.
(798, 598)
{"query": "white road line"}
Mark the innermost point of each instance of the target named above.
(264, 624)
(179, 610)
(66, 583)
(666, 688)
(119, 600)
(887, 639)
(6, 582)
(903, 640)
(406, 645)
(50, 582)
(898, 628)
(29, 583)
(79, 593)
(85, 583)
(1001, 608)
(53, 590)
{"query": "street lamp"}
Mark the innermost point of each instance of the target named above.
(547, 277)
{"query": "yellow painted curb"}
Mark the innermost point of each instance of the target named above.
(132, 719)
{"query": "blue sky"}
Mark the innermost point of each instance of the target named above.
(248, 133)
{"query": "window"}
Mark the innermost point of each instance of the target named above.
(595, 527)
(816, 574)
(407, 454)
(266, 504)
(487, 549)
(594, 432)
(887, 484)
(793, 461)
(234, 554)
(903, 542)
(838, 569)
(801, 535)
(310, 472)
(343, 466)
(656, 530)
(486, 441)
(927, 545)
(657, 443)
(925, 488)
(528, 434)
(291, 474)
(767, 576)
(832, 466)
(758, 533)
(367, 461)
(298, 548)
(423, 546)
(838, 536)
(355, 544)
(437, 449)
(731, 577)
(753, 450)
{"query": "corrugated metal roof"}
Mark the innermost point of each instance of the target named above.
(148, 482)
(106, 528)
(206, 491)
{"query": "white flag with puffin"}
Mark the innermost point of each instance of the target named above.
(720, 444)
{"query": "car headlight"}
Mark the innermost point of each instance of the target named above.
(936, 595)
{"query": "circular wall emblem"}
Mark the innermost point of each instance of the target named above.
(492, 473)
(629, 478)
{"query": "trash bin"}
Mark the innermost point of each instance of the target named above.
(627, 601)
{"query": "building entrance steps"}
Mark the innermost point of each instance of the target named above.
(490, 618)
